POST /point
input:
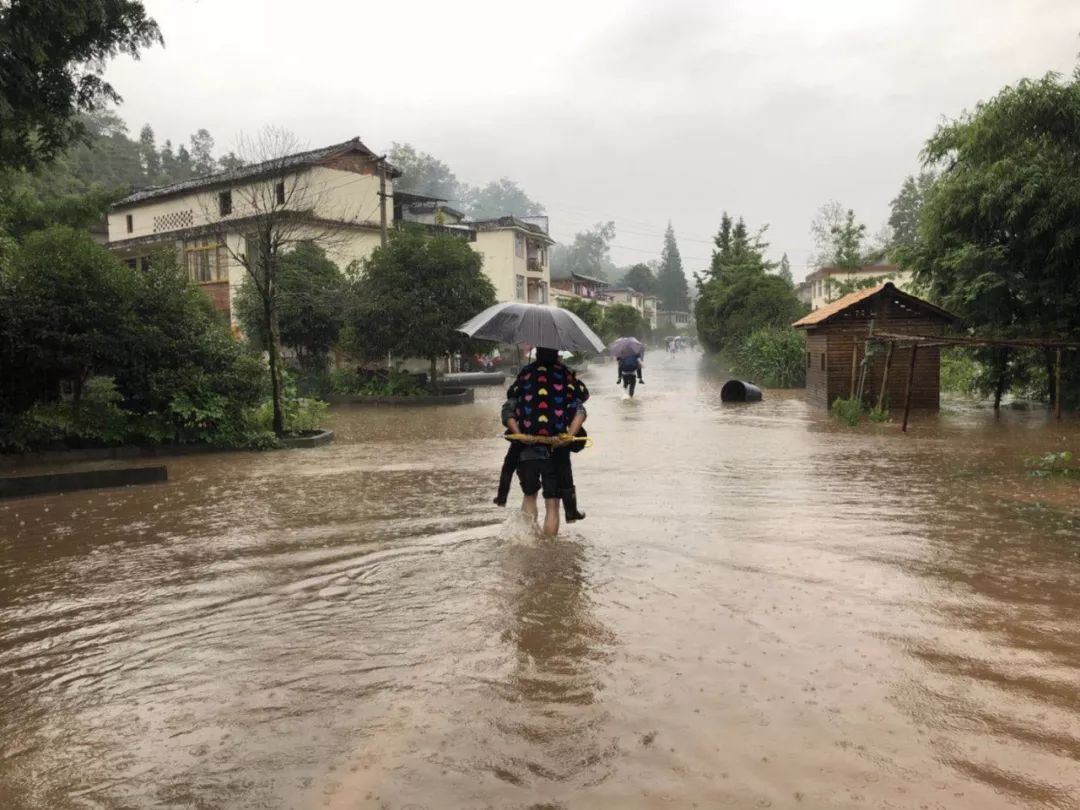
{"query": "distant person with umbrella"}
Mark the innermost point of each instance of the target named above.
(545, 404)
(629, 353)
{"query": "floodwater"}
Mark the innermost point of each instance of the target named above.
(762, 609)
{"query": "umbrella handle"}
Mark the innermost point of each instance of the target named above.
(526, 438)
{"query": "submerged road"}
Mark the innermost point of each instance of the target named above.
(762, 609)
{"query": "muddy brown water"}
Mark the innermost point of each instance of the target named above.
(762, 609)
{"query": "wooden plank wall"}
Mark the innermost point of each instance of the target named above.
(817, 392)
(840, 337)
(925, 388)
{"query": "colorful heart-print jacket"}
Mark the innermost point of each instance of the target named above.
(548, 397)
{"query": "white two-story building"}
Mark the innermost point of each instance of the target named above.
(334, 192)
(342, 196)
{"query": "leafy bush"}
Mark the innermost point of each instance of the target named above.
(960, 373)
(167, 370)
(877, 415)
(376, 383)
(1058, 464)
(772, 357)
(97, 420)
(848, 411)
(302, 415)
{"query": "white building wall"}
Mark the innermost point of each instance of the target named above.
(503, 266)
(333, 193)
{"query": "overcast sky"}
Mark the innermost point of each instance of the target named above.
(638, 112)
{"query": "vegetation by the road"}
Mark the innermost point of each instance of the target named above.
(997, 238)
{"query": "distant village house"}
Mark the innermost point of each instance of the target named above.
(205, 221)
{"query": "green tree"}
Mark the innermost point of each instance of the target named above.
(998, 239)
(202, 153)
(51, 61)
(423, 173)
(589, 311)
(623, 320)
(311, 306)
(281, 206)
(671, 280)
(410, 297)
(167, 158)
(589, 254)
(500, 198)
(67, 300)
(151, 161)
(738, 293)
(737, 254)
(847, 242)
(784, 270)
(182, 371)
(641, 278)
(905, 208)
(726, 315)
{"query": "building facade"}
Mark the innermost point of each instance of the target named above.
(827, 284)
(577, 285)
(341, 196)
(674, 320)
(337, 195)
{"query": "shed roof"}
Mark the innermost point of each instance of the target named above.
(297, 160)
(830, 311)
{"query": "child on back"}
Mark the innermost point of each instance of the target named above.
(546, 400)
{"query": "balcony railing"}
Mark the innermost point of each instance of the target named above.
(533, 265)
(467, 234)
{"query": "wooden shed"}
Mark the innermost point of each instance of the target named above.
(837, 345)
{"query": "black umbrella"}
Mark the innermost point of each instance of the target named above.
(534, 325)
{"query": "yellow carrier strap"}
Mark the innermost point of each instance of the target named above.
(565, 438)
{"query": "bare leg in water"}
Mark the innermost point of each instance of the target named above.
(530, 506)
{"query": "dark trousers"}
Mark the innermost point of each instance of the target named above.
(560, 458)
(629, 382)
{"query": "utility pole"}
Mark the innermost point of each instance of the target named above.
(382, 199)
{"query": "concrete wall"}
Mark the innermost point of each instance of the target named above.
(333, 193)
(502, 264)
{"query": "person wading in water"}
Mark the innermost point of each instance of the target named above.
(630, 372)
(549, 403)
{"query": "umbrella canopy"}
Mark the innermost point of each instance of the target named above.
(535, 325)
(626, 347)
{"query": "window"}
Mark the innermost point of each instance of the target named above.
(519, 245)
(206, 261)
(132, 263)
(823, 361)
(130, 223)
(224, 201)
(279, 192)
(520, 290)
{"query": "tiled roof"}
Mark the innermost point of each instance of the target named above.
(821, 315)
(233, 175)
(509, 221)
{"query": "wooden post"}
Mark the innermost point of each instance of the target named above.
(885, 376)
(1057, 386)
(384, 238)
(854, 365)
(907, 393)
